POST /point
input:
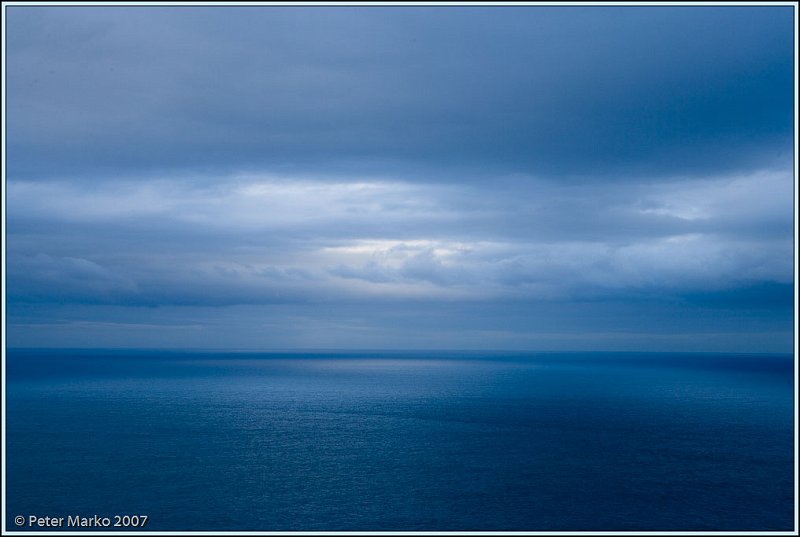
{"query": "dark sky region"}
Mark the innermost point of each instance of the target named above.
(463, 177)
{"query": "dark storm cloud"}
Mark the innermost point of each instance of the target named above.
(592, 92)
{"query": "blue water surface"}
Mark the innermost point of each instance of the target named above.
(403, 441)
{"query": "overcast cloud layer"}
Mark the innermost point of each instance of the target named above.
(589, 178)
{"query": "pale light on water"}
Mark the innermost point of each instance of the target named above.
(426, 442)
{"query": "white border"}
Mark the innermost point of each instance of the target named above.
(3, 512)
(795, 262)
(357, 3)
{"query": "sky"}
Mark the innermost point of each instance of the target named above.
(428, 177)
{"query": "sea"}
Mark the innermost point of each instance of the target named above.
(399, 441)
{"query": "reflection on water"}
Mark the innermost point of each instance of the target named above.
(386, 442)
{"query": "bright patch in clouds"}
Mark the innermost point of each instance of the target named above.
(328, 237)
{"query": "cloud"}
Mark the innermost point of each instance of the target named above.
(424, 324)
(67, 279)
(260, 239)
(457, 91)
(427, 175)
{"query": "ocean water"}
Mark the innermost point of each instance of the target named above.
(403, 441)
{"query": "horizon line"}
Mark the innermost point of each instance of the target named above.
(386, 350)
